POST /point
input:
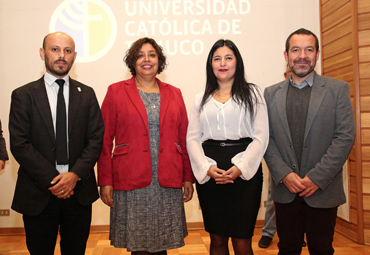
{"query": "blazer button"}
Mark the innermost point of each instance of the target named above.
(53, 148)
(294, 166)
(290, 146)
(161, 150)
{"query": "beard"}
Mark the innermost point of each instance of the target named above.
(302, 71)
(59, 70)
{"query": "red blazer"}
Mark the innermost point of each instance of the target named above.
(128, 166)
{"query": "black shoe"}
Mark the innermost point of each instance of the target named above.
(264, 242)
(304, 244)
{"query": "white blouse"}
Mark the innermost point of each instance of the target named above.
(222, 121)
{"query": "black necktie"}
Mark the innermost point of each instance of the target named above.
(61, 127)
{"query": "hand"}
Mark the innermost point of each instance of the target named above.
(2, 164)
(311, 187)
(234, 172)
(218, 175)
(187, 192)
(106, 195)
(229, 176)
(294, 183)
(64, 185)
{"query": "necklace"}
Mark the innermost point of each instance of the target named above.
(221, 98)
(153, 105)
(149, 89)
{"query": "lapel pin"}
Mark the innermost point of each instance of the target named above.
(79, 89)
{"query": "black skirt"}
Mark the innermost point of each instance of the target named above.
(229, 209)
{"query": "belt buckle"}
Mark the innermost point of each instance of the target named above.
(222, 144)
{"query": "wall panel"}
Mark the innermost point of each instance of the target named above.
(341, 59)
(365, 87)
(342, 73)
(336, 32)
(363, 6)
(366, 189)
(365, 135)
(364, 54)
(364, 21)
(366, 169)
(341, 14)
(364, 38)
(338, 46)
(345, 27)
(365, 103)
(365, 120)
(366, 157)
(332, 6)
(364, 70)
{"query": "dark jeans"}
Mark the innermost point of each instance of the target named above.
(296, 218)
(70, 217)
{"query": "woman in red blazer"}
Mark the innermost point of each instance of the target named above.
(144, 163)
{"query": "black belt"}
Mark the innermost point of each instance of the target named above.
(244, 141)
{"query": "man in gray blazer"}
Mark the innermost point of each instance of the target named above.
(56, 183)
(312, 131)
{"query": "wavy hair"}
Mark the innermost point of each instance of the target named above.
(132, 54)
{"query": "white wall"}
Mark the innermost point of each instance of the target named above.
(259, 29)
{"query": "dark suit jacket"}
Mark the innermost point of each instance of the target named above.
(130, 166)
(3, 153)
(32, 142)
(328, 139)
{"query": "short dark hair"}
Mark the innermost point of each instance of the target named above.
(301, 31)
(132, 54)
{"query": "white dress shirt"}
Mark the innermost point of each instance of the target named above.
(222, 121)
(52, 89)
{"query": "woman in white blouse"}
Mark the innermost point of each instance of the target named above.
(226, 140)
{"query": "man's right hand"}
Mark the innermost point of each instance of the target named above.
(294, 183)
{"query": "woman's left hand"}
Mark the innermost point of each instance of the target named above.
(229, 176)
(187, 192)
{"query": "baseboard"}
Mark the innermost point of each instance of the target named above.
(11, 231)
(93, 229)
(105, 228)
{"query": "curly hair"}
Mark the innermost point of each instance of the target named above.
(132, 54)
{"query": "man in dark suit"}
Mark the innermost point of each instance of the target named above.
(56, 183)
(312, 131)
(3, 152)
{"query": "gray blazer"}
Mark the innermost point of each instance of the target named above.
(328, 139)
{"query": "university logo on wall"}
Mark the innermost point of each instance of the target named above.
(90, 23)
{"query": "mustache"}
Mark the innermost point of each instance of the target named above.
(60, 60)
(302, 60)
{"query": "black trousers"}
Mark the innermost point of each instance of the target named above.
(66, 215)
(295, 219)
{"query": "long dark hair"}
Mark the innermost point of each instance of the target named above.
(242, 92)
